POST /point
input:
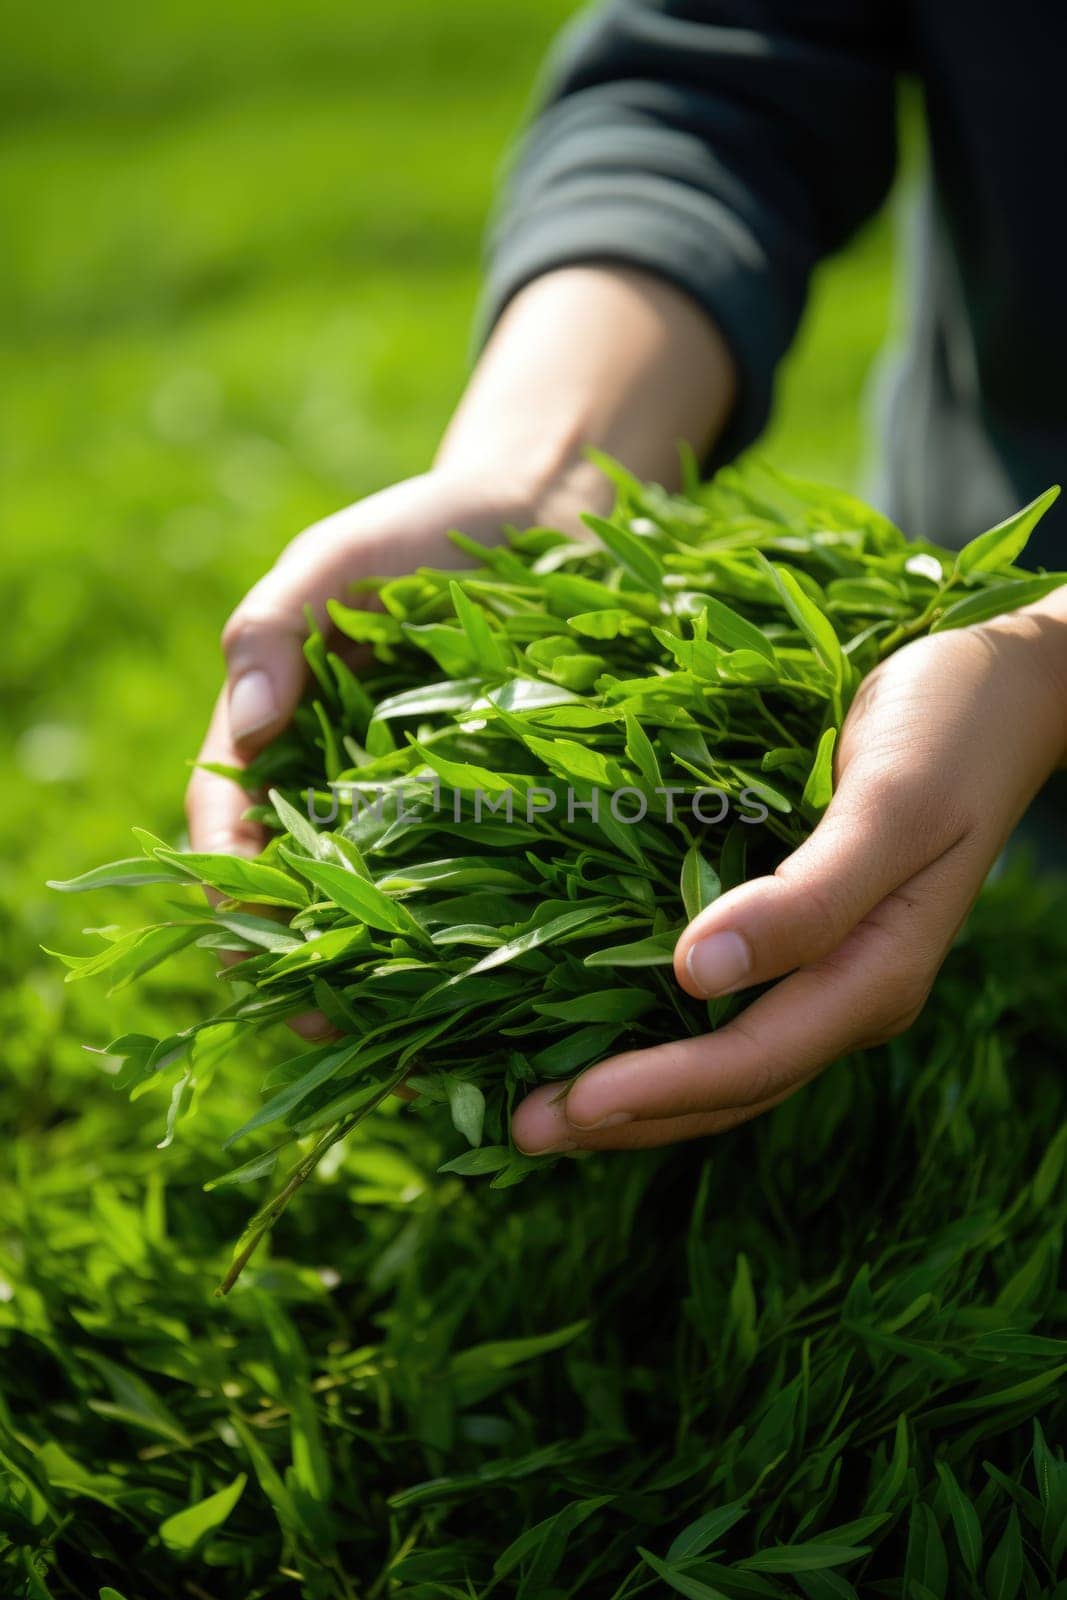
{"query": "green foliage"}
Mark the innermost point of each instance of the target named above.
(196, 365)
(823, 1356)
(484, 866)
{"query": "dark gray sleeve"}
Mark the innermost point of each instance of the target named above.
(726, 145)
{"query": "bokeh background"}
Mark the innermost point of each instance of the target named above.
(240, 264)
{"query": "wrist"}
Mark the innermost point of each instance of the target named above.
(508, 494)
(528, 489)
(608, 356)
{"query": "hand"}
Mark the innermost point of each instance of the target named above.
(610, 356)
(387, 534)
(944, 747)
(603, 355)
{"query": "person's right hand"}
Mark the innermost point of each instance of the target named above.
(389, 533)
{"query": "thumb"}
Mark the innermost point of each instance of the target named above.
(264, 639)
(263, 643)
(876, 834)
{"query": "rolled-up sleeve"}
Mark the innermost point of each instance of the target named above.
(726, 147)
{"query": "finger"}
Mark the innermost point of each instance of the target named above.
(263, 642)
(875, 836)
(540, 1126)
(868, 990)
(215, 806)
(313, 1026)
(264, 638)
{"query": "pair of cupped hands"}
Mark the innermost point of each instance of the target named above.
(944, 747)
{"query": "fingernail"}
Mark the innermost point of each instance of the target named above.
(614, 1120)
(557, 1147)
(718, 963)
(252, 704)
(312, 1025)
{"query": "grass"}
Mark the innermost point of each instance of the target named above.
(238, 284)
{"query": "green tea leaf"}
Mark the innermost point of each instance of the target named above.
(607, 623)
(238, 879)
(706, 1531)
(572, 760)
(680, 1582)
(187, 1529)
(475, 1163)
(630, 552)
(449, 647)
(128, 874)
(1004, 1574)
(132, 956)
(299, 826)
(996, 600)
(365, 627)
(818, 789)
(599, 1005)
(467, 1105)
(355, 895)
(557, 928)
(964, 1518)
(312, 1069)
(1005, 543)
(927, 1561)
(730, 628)
(657, 951)
(484, 643)
(641, 752)
(700, 884)
(810, 1557)
(428, 699)
(816, 628)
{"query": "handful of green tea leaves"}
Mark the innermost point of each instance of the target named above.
(485, 845)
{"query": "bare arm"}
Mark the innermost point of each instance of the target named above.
(592, 355)
(608, 356)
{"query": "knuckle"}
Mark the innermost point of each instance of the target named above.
(823, 914)
(313, 535)
(762, 1075)
(266, 614)
(901, 993)
(890, 1029)
(915, 803)
(900, 1005)
(239, 630)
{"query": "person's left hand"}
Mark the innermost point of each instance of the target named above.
(944, 747)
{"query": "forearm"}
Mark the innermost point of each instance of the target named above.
(591, 355)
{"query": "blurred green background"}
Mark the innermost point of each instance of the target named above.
(242, 254)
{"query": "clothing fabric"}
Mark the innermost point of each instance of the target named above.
(730, 145)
